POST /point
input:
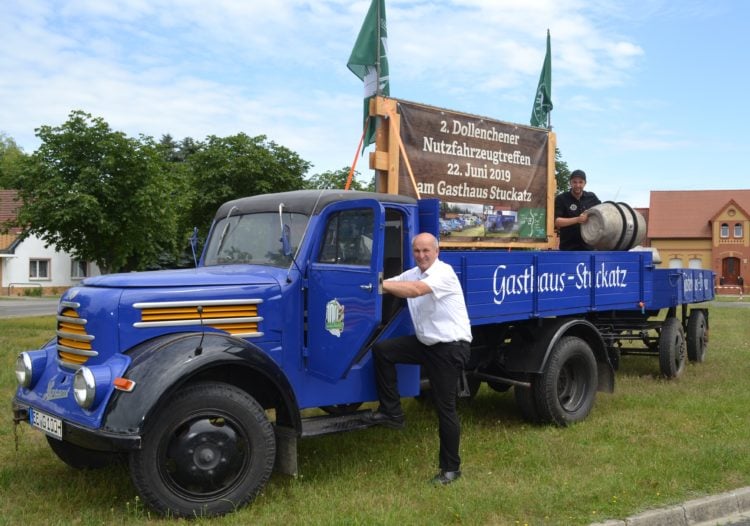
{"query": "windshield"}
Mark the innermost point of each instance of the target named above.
(253, 239)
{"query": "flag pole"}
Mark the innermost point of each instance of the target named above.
(377, 52)
(356, 156)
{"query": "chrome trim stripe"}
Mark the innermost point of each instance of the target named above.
(248, 334)
(71, 365)
(68, 319)
(75, 336)
(197, 303)
(197, 321)
(71, 304)
(73, 350)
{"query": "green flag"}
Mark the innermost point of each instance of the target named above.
(543, 98)
(369, 61)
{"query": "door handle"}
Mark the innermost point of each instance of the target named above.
(367, 287)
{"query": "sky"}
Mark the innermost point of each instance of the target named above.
(648, 94)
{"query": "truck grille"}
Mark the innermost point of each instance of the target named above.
(236, 317)
(73, 343)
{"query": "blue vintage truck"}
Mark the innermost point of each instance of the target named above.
(202, 378)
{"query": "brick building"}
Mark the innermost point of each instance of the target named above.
(703, 229)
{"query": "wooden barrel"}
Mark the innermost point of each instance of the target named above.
(613, 226)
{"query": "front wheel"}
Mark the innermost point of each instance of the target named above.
(208, 451)
(565, 391)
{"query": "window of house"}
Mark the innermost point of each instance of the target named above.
(78, 269)
(39, 269)
(738, 230)
(724, 230)
(695, 263)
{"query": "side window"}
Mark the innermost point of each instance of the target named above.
(348, 238)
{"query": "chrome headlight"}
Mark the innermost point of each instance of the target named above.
(90, 385)
(84, 387)
(29, 367)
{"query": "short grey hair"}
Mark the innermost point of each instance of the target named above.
(425, 234)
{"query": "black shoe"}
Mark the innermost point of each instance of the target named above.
(445, 477)
(384, 419)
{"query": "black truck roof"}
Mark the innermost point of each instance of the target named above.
(308, 202)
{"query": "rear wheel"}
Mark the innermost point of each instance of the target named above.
(208, 451)
(697, 336)
(672, 348)
(565, 391)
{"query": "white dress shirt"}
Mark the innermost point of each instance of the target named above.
(441, 315)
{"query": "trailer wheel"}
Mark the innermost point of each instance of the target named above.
(565, 391)
(78, 457)
(697, 336)
(672, 348)
(208, 451)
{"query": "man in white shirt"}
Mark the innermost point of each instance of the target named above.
(441, 345)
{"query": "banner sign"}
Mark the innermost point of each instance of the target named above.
(490, 176)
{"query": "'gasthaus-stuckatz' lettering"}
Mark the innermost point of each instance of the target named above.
(518, 283)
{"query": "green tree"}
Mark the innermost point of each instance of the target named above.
(226, 168)
(100, 195)
(11, 160)
(336, 179)
(562, 173)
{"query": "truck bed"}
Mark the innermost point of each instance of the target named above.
(506, 286)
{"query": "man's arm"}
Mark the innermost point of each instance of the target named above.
(562, 222)
(406, 289)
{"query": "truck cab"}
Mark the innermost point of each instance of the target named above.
(282, 308)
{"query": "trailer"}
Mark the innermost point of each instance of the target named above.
(202, 377)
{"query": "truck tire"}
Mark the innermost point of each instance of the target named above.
(208, 451)
(565, 391)
(78, 457)
(672, 348)
(697, 336)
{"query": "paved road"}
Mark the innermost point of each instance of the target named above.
(731, 304)
(17, 308)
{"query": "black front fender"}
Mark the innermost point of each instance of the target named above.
(162, 365)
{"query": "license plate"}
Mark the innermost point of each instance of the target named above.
(47, 423)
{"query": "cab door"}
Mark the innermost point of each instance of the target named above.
(344, 301)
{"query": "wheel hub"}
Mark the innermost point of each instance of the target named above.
(205, 455)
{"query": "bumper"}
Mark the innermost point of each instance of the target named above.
(86, 438)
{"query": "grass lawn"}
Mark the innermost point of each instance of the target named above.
(650, 444)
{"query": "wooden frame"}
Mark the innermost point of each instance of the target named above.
(390, 153)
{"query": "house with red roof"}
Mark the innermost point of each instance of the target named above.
(27, 264)
(707, 229)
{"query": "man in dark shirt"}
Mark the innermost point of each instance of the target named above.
(570, 212)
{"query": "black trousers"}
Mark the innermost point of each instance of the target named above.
(443, 363)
